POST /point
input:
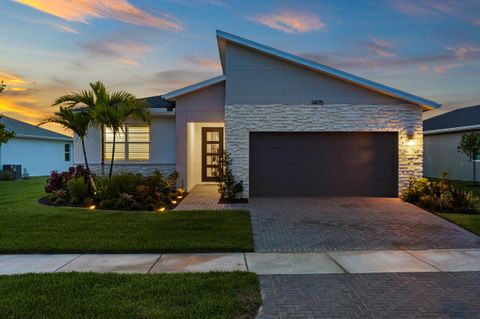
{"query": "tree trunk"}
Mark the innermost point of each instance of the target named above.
(85, 153)
(103, 151)
(474, 172)
(113, 156)
(92, 182)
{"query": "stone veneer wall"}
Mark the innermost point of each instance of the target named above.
(241, 119)
(144, 169)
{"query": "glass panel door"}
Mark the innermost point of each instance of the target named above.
(212, 148)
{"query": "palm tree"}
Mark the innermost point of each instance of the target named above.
(76, 121)
(112, 110)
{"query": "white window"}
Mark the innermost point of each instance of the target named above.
(67, 152)
(132, 143)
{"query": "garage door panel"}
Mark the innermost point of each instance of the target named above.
(304, 171)
(322, 155)
(324, 164)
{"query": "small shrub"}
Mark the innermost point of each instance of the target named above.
(227, 185)
(58, 181)
(124, 202)
(7, 176)
(25, 174)
(77, 190)
(58, 197)
(440, 195)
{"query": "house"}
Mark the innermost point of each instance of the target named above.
(442, 135)
(293, 127)
(36, 149)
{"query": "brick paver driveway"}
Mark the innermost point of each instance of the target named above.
(328, 224)
(387, 295)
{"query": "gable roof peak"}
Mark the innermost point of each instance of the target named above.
(224, 37)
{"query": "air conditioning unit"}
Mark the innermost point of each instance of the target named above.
(16, 170)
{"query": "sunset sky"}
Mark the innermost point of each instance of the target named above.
(52, 47)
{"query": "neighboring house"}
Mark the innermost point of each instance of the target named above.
(293, 127)
(442, 135)
(38, 150)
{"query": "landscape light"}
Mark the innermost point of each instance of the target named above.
(92, 207)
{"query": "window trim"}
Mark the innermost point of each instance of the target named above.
(126, 143)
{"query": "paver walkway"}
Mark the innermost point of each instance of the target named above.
(260, 263)
(205, 197)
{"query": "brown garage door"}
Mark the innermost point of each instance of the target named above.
(324, 164)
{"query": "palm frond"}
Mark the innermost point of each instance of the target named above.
(75, 121)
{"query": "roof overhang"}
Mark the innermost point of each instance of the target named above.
(224, 37)
(172, 96)
(38, 137)
(452, 129)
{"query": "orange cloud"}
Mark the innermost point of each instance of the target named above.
(122, 10)
(10, 78)
(291, 21)
(15, 105)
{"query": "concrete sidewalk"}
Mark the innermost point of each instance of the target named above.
(388, 261)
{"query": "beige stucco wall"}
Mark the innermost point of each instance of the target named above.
(241, 119)
(257, 78)
(203, 106)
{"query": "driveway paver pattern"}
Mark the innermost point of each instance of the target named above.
(342, 224)
(390, 295)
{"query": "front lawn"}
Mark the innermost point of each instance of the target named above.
(467, 221)
(28, 227)
(90, 295)
(470, 222)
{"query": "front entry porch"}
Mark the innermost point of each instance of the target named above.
(205, 143)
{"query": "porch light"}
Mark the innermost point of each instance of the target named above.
(410, 141)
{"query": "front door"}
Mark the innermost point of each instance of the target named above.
(212, 147)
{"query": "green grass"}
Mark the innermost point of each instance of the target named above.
(28, 227)
(90, 295)
(469, 222)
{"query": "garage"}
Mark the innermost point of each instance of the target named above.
(323, 164)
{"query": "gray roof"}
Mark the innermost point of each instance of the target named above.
(157, 102)
(464, 117)
(23, 129)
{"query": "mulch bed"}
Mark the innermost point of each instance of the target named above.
(45, 200)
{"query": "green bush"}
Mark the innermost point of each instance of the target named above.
(6, 176)
(440, 195)
(227, 185)
(128, 191)
(78, 190)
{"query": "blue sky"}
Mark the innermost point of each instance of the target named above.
(49, 48)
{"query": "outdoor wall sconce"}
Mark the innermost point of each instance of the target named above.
(410, 140)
